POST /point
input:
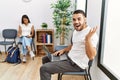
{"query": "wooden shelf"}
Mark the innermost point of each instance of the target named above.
(37, 43)
(44, 37)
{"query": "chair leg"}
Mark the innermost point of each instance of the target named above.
(5, 49)
(60, 76)
(89, 76)
(34, 47)
(0, 52)
(31, 47)
(15, 43)
(85, 77)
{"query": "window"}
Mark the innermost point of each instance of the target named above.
(109, 41)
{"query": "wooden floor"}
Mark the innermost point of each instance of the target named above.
(26, 71)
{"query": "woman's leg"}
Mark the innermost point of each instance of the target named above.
(30, 52)
(26, 42)
(23, 49)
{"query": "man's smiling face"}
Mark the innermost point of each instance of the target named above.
(79, 21)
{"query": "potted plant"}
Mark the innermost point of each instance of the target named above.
(62, 16)
(44, 25)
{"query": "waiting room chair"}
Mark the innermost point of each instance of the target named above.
(85, 72)
(9, 36)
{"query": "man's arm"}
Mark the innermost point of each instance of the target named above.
(90, 50)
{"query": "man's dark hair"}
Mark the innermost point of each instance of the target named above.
(25, 16)
(79, 11)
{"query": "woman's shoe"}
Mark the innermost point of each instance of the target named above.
(24, 59)
(32, 55)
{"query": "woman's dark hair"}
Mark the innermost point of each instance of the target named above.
(79, 11)
(25, 16)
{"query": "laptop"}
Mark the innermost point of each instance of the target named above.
(53, 57)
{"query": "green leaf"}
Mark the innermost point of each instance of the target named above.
(62, 15)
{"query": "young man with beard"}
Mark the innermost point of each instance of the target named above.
(82, 49)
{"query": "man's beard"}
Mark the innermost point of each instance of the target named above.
(79, 27)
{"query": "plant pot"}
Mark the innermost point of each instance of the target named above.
(44, 27)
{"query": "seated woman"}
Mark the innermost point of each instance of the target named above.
(26, 32)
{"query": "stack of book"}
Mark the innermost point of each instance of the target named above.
(45, 38)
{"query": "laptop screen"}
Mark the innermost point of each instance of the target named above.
(47, 51)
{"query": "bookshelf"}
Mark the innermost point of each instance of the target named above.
(44, 37)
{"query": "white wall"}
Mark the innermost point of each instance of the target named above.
(12, 11)
(94, 12)
(38, 11)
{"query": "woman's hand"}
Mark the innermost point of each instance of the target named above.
(29, 36)
(19, 35)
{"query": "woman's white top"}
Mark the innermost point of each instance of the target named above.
(26, 29)
(78, 52)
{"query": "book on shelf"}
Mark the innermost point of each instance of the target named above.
(46, 38)
(43, 38)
